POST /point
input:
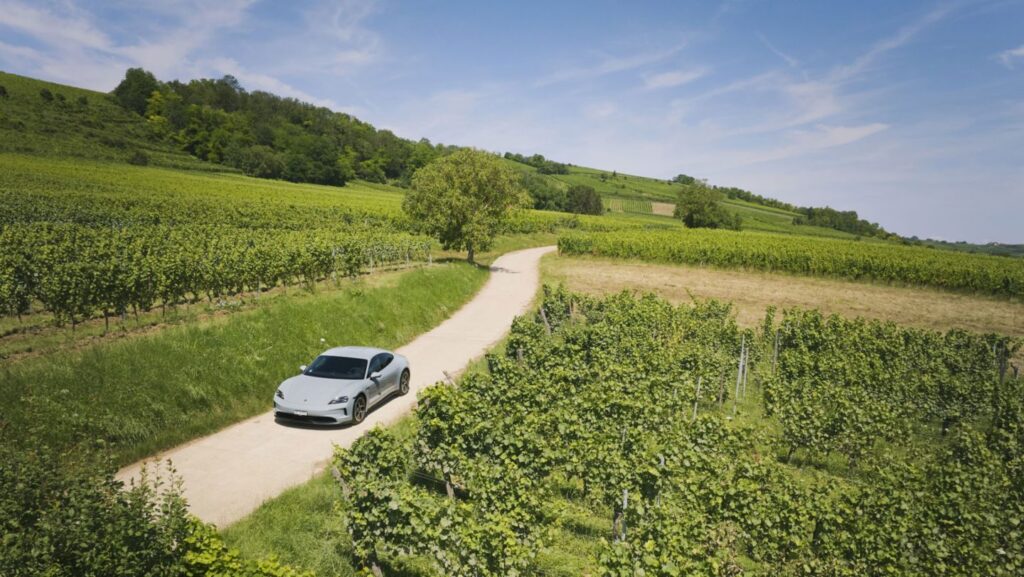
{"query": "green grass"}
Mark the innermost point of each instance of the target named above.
(148, 393)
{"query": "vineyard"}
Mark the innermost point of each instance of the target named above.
(636, 412)
(876, 261)
(81, 239)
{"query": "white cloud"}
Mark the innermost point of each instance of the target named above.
(1007, 57)
(673, 78)
(56, 30)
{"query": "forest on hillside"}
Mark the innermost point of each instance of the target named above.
(268, 136)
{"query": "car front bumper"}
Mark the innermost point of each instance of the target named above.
(333, 415)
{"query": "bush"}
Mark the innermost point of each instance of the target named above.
(138, 158)
(46, 95)
(583, 199)
(3, 91)
(65, 514)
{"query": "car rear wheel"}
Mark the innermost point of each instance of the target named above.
(403, 382)
(359, 410)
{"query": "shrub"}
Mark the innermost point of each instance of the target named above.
(46, 95)
(138, 158)
(3, 91)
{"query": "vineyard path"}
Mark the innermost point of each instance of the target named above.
(228, 474)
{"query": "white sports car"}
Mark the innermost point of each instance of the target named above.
(341, 385)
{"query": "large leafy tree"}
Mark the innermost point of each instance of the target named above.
(464, 199)
(699, 207)
(136, 88)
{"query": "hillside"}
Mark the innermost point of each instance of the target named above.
(47, 119)
(640, 195)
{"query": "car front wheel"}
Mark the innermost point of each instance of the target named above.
(403, 383)
(359, 410)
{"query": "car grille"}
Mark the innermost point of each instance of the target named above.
(306, 419)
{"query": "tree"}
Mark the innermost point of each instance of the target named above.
(464, 199)
(699, 207)
(583, 199)
(134, 91)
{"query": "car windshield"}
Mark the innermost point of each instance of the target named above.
(327, 367)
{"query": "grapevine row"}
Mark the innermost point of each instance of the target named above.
(624, 402)
(77, 271)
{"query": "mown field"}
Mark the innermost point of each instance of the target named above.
(798, 447)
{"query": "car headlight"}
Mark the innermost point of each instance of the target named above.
(338, 400)
(279, 394)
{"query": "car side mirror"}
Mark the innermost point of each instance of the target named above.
(302, 368)
(375, 375)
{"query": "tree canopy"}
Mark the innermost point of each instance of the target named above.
(700, 207)
(583, 199)
(464, 199)
(134, 91)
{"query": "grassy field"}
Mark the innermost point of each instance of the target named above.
(144, 394)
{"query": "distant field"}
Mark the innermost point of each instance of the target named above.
(752, 291)
(875, 261)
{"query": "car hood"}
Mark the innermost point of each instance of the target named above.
(304, 389)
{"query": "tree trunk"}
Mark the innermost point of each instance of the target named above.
(472, 253)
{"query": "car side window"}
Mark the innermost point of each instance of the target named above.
(375, 364)
(385, 360)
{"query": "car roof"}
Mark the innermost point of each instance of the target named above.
(354, 352)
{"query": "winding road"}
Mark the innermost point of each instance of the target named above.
(228, 474)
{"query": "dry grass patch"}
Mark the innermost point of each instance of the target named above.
(752, 291)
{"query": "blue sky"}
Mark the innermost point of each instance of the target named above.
(911, 113)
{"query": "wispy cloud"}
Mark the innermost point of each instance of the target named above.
(609, 65)
(902, 37)
(673, 78)
(789, 60)
(1007, 57)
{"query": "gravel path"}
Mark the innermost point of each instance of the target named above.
(228, 474)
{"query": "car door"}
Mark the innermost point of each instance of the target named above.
(389, 376)
(374, 388)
